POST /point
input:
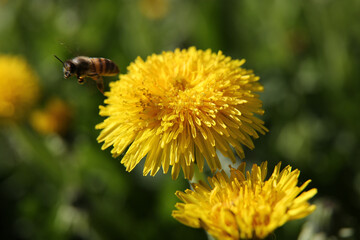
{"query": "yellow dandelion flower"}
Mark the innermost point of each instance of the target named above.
(245, 205)
(55, 118)
(178, 108)
(18, 87)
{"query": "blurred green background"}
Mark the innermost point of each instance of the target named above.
(307, 54)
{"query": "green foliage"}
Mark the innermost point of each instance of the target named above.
(307, 54)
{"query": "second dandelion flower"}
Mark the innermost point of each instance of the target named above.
(177, 108)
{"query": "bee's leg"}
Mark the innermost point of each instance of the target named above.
(81, 80)
(99, 83)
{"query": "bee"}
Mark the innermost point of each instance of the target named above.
(93, 68)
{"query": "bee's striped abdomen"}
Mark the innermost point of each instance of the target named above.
(105, 67)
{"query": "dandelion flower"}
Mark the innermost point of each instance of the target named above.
(245, 205)
(18, 87)
(178, 108)
(55, 118)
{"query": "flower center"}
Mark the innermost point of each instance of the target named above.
(181, 84)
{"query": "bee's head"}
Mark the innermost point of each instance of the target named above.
(69, 69)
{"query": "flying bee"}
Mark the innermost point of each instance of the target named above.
(93, 68)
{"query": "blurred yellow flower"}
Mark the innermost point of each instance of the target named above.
(245, 205)
(178, 107)
(154, 9)
(19, 87)
(55, 118)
